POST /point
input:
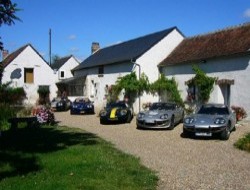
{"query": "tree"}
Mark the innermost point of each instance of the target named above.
(7, 14)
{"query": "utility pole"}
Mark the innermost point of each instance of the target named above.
(49, 46)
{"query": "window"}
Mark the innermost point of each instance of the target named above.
(62, 75)
(101, 71)
(28, 75)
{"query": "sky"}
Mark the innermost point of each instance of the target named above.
(75, 24)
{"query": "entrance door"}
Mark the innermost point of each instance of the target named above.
(225, 89)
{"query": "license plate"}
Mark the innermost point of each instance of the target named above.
(203, 134)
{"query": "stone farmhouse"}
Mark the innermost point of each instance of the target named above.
(224, 54)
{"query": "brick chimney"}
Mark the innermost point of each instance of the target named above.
(5, 53)
(95, 47)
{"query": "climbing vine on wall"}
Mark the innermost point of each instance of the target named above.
(169, 86)
(203, 82)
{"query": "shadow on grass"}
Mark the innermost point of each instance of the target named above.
(19, 147)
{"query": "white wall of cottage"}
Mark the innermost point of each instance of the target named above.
(234, 68)
(148, 63)
(43, 74)
(66, 68)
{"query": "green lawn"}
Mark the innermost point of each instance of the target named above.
(52, 157)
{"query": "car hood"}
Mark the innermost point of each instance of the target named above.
(203, 119)
(155, 113)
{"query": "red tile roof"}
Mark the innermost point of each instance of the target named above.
(227, 42)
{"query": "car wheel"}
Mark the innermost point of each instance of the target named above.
(226, 133)
(102, 122)
(186, 133)
(129, 118)
(182, 117)
(171, 123)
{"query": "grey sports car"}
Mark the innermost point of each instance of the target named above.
(210, 119)
(160, 115)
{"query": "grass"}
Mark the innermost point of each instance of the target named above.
(52, 157)
(244, 143)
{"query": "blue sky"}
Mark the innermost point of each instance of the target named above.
(75, 24)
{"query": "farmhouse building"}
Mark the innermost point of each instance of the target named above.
(26, 68)
(223, 54)
(142, 55)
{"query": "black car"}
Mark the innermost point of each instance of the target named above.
(82, 105)
(60, 104)
(117, 112)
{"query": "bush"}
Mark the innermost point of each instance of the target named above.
(243, 143)
(6, 112)
(240, 112)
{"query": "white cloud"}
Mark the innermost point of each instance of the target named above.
(247, 13)
(72, 37)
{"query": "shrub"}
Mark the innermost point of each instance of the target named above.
(240, 112)
(243, 143)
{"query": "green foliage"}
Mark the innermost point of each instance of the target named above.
(203, 82)
(7, 14)
(132, 86)
(169, 86)
(10, 95)
(6, 112)
(67, 159)
(244, 143)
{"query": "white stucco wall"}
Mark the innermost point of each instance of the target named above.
(152, 58)
(95, 84)
(43, 74)
(236, 69)
(67, 67)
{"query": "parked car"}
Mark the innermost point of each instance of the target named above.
(160, 115)
(82, 105)
(210, 119)
(60, 104)
(117, 112)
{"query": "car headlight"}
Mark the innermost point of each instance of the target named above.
(103, 113)
(60, 104)
(219, 121)
(89, 106)
(123, 112)
(141, 115)
(189, 120)
(165, 116)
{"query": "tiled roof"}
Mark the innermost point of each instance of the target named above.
(227, 42)
(14, 55)
(125, 51)
(60, 62)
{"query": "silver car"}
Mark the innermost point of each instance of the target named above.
(160, 115)
(210, 119)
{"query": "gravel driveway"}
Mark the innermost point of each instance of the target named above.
(181, 163)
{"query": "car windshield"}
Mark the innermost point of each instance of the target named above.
(81, 100)
(213, 110)
(162, 106)
(117, 104)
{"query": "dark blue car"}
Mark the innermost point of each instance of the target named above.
(82, 106)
